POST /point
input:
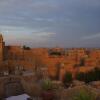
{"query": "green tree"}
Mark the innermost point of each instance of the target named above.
(93, 75)
(80, 76)
(26, 48)
(67, 78)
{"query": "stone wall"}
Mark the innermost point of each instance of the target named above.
(16, 85)
(10, 86)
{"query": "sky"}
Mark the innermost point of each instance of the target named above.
(50, 23)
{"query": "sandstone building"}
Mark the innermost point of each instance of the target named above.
(53, 62)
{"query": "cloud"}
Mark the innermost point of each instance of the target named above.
(22, 35)
(33, 39)
(45, 34)
(91, 36)
(64, 21)
(44, 19)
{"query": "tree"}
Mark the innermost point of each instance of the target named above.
(26, 48)
(67, 78)
(93, 75)
(80, 76)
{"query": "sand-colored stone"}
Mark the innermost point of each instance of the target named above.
(13, 58)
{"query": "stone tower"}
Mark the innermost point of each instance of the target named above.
(2, 44)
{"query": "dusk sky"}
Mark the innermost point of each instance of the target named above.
(50, 23)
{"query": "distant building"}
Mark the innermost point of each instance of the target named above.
(16, 59)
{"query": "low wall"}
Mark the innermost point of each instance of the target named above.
(18, 84)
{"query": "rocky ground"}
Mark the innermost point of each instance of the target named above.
(34, 90)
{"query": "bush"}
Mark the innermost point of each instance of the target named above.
(47, 85)
(84, 95)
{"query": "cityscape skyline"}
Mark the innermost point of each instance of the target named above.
(50, 23)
